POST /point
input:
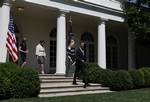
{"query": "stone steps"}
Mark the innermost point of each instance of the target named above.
(72, 89)
(47, 76)
(56, 78)
(59, 81)
(59, 85)
(74, 93)
(65, 85)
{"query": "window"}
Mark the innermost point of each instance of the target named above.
(112, 53)
(53, 49)
(89, 46)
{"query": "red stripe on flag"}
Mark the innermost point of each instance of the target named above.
(12, 55)
(12, 51)
(12, 48)
(12, 37)
(12, 45)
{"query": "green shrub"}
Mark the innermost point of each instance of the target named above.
(146, 72)
(137, 78)
(147, 68)
(99, 75)
(121, 80)
(6, 72)
(94, 72)
(18, 82)
(106, 77)
(26, 83)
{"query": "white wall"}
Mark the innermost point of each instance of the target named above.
(34, 30)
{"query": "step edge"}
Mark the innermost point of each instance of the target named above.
(73, 94)
(66, 91)
(68, 86)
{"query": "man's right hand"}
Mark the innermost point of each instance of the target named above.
(82, 61)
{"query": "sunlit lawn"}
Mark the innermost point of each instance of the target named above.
(141, 95)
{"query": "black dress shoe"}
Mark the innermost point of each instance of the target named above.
(85, 85)
(88, 85)
(74, 83)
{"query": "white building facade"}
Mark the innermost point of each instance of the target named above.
(99, 22)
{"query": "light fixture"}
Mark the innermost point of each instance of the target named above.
(27, 0)
(20, 8)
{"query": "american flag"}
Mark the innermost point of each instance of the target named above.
(11, 41)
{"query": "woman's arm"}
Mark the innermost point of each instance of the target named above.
(22, 50)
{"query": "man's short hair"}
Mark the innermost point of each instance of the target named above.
(42, 41)
(82, 41)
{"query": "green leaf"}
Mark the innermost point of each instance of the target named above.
(1, 2)
(138, 19)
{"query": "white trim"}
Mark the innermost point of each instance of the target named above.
(71, 8)
(103, 6)
(4, 21)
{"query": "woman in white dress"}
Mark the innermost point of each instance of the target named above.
(41, 56)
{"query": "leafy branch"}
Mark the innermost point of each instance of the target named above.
(1, 2)
(137, 15)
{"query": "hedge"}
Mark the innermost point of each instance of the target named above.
(6, 72)
(106, 77)
(93, 72)
(99, 75)
(121, 79)
(116, 80)
(146, 72)
(17, 82)
(137, 78)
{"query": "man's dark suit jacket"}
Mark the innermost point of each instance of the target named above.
(79, 56)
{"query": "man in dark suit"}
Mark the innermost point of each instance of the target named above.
(80, 65)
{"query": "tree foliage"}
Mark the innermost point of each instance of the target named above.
(1, 2)
(137, 16)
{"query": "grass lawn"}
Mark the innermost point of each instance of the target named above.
(141, 95)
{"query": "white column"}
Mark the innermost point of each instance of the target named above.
(102, 44)
(4, 21)
(131, 50)
(61, 44)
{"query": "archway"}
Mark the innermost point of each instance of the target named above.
(52, 52)
(89, 46)
(112, 53)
